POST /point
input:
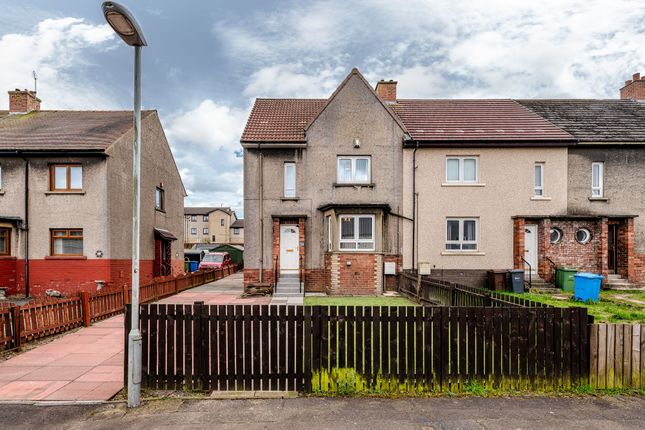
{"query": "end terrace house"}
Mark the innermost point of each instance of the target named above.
(322, 190)
(66, 198)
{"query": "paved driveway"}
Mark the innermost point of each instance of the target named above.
(225, 291)
(84, 365)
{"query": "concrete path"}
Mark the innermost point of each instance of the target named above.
(226, 291)
(84, 365)
(543, 413)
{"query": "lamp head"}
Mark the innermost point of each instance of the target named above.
(123, 23)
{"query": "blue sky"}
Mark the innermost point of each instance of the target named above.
(207, 60)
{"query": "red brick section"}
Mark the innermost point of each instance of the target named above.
(386, 90)
(518, 242)
(357, 279)
(391, 280)
(634, 88)
(252, 276)
(8, 275)
(23, 101)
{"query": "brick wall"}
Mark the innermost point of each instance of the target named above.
(8, 274)
(391, 282)
(518, 242)
(362, 277)
(634, 88)
(252, 276)
(586, 257)
(316, 280)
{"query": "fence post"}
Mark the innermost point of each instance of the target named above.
(418, 288)
(15, 313)
(199, 342)
(85, 306)
(126, 296)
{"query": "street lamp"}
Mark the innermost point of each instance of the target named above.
(124, 24)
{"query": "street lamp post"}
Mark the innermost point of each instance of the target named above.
(124, 24)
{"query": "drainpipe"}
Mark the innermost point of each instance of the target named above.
(26, 227)
(414, 206)
(261, 214)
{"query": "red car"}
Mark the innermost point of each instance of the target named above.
(215, 260)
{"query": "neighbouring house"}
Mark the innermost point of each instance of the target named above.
(336, 188)
(237, 232)
(209, 225)
(66, 199)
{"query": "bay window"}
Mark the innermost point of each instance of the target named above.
(357, 232)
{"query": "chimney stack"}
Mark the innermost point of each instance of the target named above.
(386, 90)
(23, 101)
(634, 88)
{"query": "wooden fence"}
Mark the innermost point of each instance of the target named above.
(431, 291)
(617, 356)
(354, 349)
(47, 316)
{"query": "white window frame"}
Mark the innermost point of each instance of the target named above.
(205, 230)
(289, 189)
(462, 242)
(538, 190)
(461, 159)
(600, 189)
(193, 231)
(330, 234)
(204, 218)
(193, 218)
(353, 179)
(236, 230)
(221, 222)
(356, 240)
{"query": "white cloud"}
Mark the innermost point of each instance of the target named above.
(288, 80)
(55, 49)
(204, 141)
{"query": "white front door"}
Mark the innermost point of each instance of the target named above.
(530, 246)
(289, 248)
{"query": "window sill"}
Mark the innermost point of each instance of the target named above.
(290, 199)
(65, 257)
(598, 199)
(471, 253)
(354, 185)
(462, 184)
(160, 210)
(541, 199)
(1, 192)
(47, 193)
(8, 257)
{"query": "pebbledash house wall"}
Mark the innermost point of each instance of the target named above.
(103, 210)
(354, 112)
(505, 189)
(624, 176)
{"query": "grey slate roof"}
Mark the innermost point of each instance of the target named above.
(205, 210)
(594, 120)
(238, 223)
(64, 130)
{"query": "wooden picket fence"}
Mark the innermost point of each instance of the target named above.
(48, 316)
(617, 356)
(355, 349)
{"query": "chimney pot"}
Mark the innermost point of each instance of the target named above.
(23, 101)
(636, 76)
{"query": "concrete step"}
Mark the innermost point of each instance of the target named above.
(614, 276)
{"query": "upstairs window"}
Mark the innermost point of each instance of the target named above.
(357, 232)
(290, 180)
(160, 203)
(461, 234)
(65, 177)
(5, 241)
(597, 179)
(66, 242)
(354, 170)
(221, 222)
(193, 218)
(205, 218)
(462, 169)
(538, 186)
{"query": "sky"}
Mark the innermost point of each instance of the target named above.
(208, 60)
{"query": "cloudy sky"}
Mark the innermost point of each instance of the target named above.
(208, 60)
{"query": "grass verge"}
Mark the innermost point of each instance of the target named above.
(358, 301)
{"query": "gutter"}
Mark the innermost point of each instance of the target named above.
(261, 215)
(22, 153)
(414, 206)
(25, 227)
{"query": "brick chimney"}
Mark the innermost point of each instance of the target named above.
(634, 88)
(23, 101)
(386, 90)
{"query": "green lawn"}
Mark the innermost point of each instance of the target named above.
(610, 308)
(358, 301)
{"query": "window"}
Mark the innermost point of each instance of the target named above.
(65, 177)
(5, 241)
(205, 218)
(290, 179)
(583, 236)
(330, 245)
(597, 179)
(221, 222)
(66, 242)
(236, 231)
(538, 187)
(461, 234)
(193, 218)
(461, 169)
(160, 203)
(354, 170)
(193, 231)
(204, 231)
(357, 232)
(556, 235)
